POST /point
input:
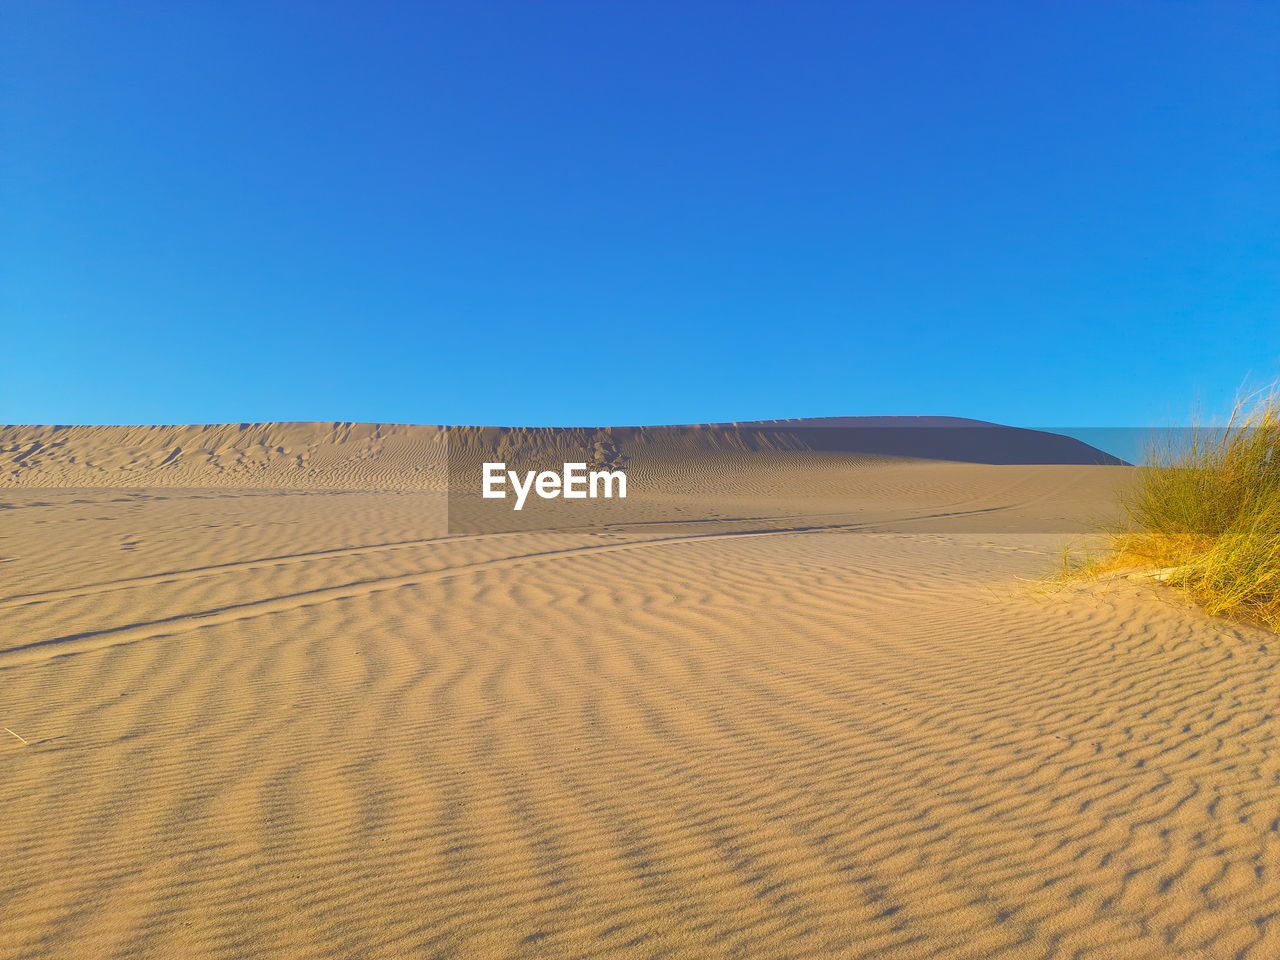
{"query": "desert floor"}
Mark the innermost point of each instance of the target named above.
(308, 721)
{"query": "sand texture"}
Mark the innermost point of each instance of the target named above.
(275, 707)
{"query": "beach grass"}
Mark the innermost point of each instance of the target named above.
(1203, 514)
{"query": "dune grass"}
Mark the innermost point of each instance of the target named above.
(1204, 512)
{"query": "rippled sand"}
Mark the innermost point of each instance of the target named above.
(312, 723)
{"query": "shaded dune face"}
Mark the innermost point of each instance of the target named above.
(412, 457)
(313, 722)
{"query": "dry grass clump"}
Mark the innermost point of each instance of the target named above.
(1205, 511)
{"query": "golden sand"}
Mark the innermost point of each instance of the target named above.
(273, 708)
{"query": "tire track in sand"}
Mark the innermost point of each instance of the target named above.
(288, 559)
(132, 633)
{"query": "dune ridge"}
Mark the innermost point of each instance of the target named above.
(347, 455)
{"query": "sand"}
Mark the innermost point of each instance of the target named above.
(275, 707)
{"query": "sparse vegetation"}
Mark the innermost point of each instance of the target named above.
(1204, 514)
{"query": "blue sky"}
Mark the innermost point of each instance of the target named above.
(600, 213)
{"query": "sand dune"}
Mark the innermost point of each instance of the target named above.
(327, 455)
(281, 710)
(404, 456)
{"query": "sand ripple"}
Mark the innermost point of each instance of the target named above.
(770, 744)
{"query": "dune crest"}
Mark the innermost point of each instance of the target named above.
(345, 455)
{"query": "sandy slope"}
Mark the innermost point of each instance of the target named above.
(309, 455)
(413, 457)
(310, 722)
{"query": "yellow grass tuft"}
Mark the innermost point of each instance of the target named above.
(1204, 514)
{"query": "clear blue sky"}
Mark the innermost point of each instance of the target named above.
(553, 213)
